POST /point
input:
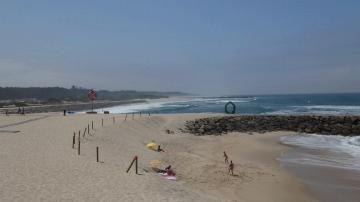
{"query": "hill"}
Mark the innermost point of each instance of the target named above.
(54, 94)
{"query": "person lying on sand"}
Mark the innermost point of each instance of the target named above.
(169, 171)
(231, 168)
(226, 158)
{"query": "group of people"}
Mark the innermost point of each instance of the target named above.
(231, 165)
(19, 111)
(168, 171)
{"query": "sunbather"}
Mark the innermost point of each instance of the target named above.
(169, 171)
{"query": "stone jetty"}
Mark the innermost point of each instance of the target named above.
(327, 125)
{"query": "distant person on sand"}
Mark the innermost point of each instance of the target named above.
(169, 171)
(231, 168)
(226, 158)
(167, 168)
(159, 149)
(19, 111)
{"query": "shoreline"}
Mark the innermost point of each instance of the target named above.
(83, 106)
(327, 183)
(76, 106)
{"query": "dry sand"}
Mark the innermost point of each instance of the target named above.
(39, 164)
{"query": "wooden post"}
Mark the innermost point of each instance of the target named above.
(113, 120)
(140, 114)
(84, 132)
(97, 154)
(131, 164)
(79, 146)
(136, 165)
(73, 146)
(125, 117)
(79, 133)
(92, 125)
(88, 128)
(102, 122)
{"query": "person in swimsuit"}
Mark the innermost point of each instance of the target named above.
(169, 171)
(226, 158)
(231, 168)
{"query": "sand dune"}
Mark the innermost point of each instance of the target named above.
(38, 163)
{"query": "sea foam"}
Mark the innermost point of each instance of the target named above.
(325, 150)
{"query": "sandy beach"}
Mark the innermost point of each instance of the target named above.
(38, 163)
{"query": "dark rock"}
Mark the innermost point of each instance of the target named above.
(342, 125)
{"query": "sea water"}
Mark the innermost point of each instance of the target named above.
(333, 104)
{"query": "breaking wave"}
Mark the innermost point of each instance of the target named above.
(325, 150)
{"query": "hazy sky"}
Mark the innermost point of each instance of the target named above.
(206, 47)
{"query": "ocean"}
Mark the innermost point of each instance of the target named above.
(333, 104)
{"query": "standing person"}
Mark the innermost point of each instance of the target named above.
(231, 168)
(226, 158)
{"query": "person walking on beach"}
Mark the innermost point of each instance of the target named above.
(226, 158)
(231, 168)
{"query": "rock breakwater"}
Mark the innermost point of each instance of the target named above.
(328, 125)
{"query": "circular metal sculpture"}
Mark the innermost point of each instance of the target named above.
(232, 110)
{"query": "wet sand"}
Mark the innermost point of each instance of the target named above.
(329, 184)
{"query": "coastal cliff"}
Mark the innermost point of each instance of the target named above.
(328, 125)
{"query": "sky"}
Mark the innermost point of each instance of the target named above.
(205, 47)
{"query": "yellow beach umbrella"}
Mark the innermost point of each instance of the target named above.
(151, 145)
